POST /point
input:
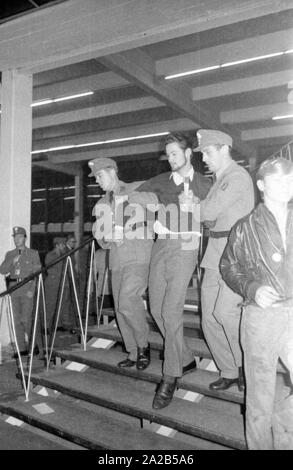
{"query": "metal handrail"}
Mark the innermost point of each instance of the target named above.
(41, 293)
(45, 268)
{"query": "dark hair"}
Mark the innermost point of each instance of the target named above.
(183, 140)
(274, 165)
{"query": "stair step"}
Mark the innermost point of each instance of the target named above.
(197, 381)
(134, 397)
(21, 438)
(191, 319)
(197, 346)
(93, 430)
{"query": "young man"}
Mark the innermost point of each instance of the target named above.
(174, 258)
(17, 265)
(257, 264)
(230, 198)
(130, 248)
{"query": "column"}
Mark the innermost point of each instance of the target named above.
(15, 173)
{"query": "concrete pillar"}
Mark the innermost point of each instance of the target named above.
(15, 168)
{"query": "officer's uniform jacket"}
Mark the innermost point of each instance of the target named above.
(137, 235)
(230, 198)
(29, 263)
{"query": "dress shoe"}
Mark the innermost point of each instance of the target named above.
(164, 394)
(223, 384)
(126, 363)
(143, 357)
(22, 353)
(189, 367)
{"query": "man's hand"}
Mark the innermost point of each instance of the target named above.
(266, 296)
(187, 201)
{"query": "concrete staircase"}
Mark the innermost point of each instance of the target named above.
(87, 401)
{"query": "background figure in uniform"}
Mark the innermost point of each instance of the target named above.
(17, 265)
(230, 198)
(257, 264)
(173, 259)
(130, 250)
(53, 285)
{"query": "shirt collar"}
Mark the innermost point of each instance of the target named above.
(178, 179)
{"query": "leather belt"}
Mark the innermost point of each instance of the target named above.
(223, 234)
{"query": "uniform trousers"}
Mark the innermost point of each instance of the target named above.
(221, 313)
(170, 272)
(22, 306)
(266, 335)
(129, 283)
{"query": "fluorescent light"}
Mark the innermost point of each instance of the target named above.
(62, 98)
(101, 142)
(192, 72)
(227, 64)
(72, 97)
(286, 116)
(252, 59)
(41, 103)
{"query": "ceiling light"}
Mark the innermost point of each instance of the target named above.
(226, 64)
(252, 59)
(101, 142)
(285, 116)
(192, 72)
(63, 98)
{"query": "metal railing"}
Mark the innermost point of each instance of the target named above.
(41, 298)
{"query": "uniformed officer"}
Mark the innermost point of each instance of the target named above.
(230, 198)
(17, 265)
(130, 250)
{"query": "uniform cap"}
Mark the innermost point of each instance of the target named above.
(100, 164)
(207, 137)
(18, 231)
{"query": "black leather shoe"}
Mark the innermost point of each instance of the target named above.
(126, 363)
(143, 357)
(189, 367)
(61, 328)
(22, 353)
(164, 394)
(223, 384)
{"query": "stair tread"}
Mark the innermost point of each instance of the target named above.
(197, 381)
(92, 429)
(191, 319)
(20, 438)
(135, 397)
(197, 346)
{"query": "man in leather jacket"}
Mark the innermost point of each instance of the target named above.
(257, 264)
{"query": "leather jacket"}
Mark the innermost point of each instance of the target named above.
(255, 255)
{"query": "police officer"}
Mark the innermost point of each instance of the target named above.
(230, 198)
(17, 265)
(130, 248)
